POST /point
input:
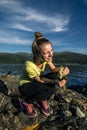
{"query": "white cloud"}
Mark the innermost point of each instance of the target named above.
(75, 49)
(81, 50)
(12, 6)
(28, 16)
(61, 24)
(21, 27)
(27, 19)
(55, 23)
(14, 40)
(10, 38)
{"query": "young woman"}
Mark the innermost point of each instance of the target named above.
(33, 86)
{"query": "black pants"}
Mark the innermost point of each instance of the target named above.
(35, 91)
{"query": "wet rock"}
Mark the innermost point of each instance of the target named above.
(68, 109)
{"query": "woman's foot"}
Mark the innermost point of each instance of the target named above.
(43, 105)
(28, 109)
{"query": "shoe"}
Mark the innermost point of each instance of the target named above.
(28, 109)
(43, 105)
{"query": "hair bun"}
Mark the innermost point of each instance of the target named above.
(38, 35)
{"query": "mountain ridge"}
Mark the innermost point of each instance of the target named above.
(59, 57)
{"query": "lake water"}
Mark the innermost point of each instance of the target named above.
(77, 76)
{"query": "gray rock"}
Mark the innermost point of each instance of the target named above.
(68, 110)
(80, 113)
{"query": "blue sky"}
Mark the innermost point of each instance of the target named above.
(63, 22)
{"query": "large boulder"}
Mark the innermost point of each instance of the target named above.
(68, 109)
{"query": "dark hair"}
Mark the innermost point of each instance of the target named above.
(39, 40)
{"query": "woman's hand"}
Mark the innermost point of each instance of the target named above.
(65, 71)
(61, 83)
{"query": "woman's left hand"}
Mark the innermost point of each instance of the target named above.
(62, 83)
(65, 71)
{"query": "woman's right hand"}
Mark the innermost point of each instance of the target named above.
(65, 71)
(60, 83)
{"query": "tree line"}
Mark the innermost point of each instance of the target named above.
(59, 57)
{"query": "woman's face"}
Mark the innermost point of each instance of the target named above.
(46, 52)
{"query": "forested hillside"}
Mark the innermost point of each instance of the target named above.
(14, 58)
(70, 57)
(59, 57)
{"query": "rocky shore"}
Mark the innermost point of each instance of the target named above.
(68, 108)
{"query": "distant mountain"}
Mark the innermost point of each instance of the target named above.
(70, 57)
(14, 58)
(59, 57)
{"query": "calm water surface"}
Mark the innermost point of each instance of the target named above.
(77, 76)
